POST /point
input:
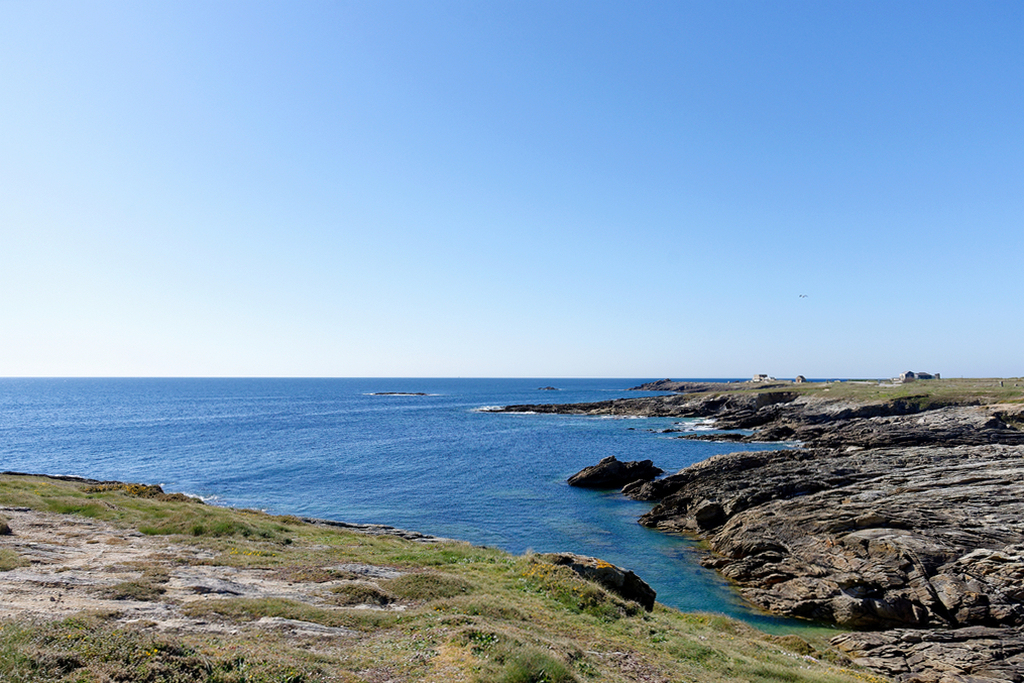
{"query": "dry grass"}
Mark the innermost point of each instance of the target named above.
(455, 612)
(929, 393)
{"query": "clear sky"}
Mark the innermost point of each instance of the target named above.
(511, 188)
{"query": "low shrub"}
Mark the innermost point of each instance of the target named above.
(9, 559)
(134, 590)
(359, 593)
(428, 586)
(535, 666)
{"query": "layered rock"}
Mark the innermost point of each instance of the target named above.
(976, 654)
(862, 538)
(781, 415)
(610, 473)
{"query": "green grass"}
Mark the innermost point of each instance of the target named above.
(9, 559)
(90, 648)
(457, 612)
(428, 586)
(134, 590)
(925, 393)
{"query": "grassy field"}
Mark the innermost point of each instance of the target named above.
(930, 393)
(445, 611)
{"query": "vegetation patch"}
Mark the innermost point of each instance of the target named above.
(144, 591)
(581, 596)
(10, 559)
(427, 586)
(141, 491)
(481, 605)
(311, 574)
(360, 593)
(91, 649)
(535, 666)
(930, 392)
(253, 609)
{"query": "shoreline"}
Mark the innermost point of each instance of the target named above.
(954, 603)
(124, 581)
(369, 529)
(900, 514)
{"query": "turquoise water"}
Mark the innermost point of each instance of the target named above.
(330, 448)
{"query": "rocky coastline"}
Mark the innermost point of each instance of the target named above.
(898, 516)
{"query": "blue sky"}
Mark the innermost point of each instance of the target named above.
(539, 189)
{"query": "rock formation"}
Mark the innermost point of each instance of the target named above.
(622, 582)
(862, 538)
(977, 654)
(612, 474)
(902, 515)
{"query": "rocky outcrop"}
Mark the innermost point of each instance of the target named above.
(896, 424)
(901, 515)
(622, 582)
(862, 538)
(967, 655)
(782, 415)
(610, 473)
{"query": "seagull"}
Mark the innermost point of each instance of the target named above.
(803, 296)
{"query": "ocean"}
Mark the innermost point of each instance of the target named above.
(419, 454)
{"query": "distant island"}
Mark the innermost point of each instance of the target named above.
(895, 509)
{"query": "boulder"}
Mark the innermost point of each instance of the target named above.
(622, 582)
(613, 474)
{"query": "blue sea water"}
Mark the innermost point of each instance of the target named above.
(343, 449)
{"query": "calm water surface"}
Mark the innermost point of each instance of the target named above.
(330, 448)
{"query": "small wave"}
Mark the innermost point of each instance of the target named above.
(501, 409)
(209, 500)
(702, 424)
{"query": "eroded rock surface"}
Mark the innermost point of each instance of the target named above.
(781, 415)
(968, 655)
(863, 538)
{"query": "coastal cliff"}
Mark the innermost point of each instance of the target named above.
(901, 513)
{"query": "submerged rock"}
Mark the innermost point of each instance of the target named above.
(610, 473)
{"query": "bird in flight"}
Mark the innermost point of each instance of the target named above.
(803, 296)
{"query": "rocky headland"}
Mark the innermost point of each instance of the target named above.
(899, 516)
